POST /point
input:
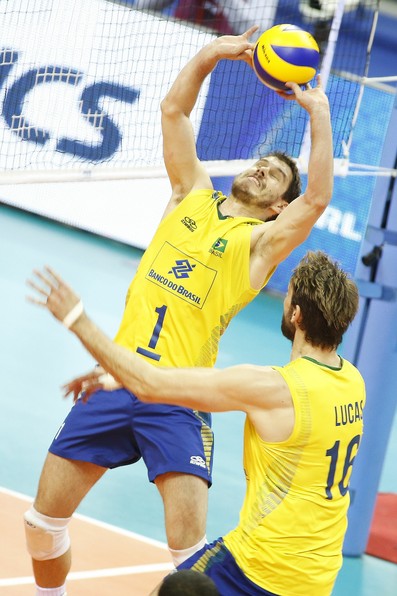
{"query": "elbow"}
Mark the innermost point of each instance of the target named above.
(148, 390)
(165, 105)
(172, 112)
(143, 393)
(170, 108)
(322, 202)
(319, 199)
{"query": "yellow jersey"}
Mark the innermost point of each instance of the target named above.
(192, 279)
(294, 517)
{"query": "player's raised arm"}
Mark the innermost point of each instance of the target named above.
(183, 166)
(295, 222)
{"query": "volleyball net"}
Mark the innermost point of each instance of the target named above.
(81, 85)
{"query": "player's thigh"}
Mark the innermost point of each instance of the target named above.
(63, 484)
(184, 495)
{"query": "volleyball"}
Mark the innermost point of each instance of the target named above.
(285, 53)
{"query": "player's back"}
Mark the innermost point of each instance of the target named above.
(294, 515)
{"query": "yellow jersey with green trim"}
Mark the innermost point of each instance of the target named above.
(192, 279)
(294, 517)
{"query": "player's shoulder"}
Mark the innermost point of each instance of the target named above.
(194, 196)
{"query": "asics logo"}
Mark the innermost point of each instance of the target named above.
(182, 269)
(189, 223)
(197, 460)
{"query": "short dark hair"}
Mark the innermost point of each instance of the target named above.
(327, 297)
(188, 582)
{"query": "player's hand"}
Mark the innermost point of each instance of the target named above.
(84, 386)
(51, 292)
(236, 47)
(309, 98)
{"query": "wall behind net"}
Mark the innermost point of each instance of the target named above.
(81, 85)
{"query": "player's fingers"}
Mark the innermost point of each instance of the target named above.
(67, 391)
(86, 393)
(250, 31)
(69, 387)
(289, 93)
(75, 386)
(36, 301)
(46, 280)
(81, 379)
(285, 95)
(37, 288)
(247, 57)
(294, 87)
(55, 276)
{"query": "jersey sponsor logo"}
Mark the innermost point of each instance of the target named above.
(179, 288)
(197, 460)
(182, 275)
(219, 247)
(189, 223)
(182, 268)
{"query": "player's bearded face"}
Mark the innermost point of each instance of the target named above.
(244, 189)
(249, 184)
(265, 182)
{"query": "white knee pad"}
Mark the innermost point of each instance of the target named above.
(46, 537)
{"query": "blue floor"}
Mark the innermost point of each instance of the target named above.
(37, 356)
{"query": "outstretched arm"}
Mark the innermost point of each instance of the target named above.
(247, 388)
(183, 166)
(276, 241)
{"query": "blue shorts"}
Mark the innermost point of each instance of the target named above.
(216, 561)
(113, 428)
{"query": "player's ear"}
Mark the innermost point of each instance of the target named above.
(279, 206)
(296, 316)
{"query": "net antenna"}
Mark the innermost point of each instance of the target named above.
(342, 165)
(326, 65)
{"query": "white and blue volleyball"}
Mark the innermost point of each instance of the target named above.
(285, 53)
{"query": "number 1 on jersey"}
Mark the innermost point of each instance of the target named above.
(160, 310)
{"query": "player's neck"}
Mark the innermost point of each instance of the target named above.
(234, 208)
(301, 348)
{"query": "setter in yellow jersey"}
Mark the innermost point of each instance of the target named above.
(210, 256)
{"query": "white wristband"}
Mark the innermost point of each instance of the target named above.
(73, 315)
